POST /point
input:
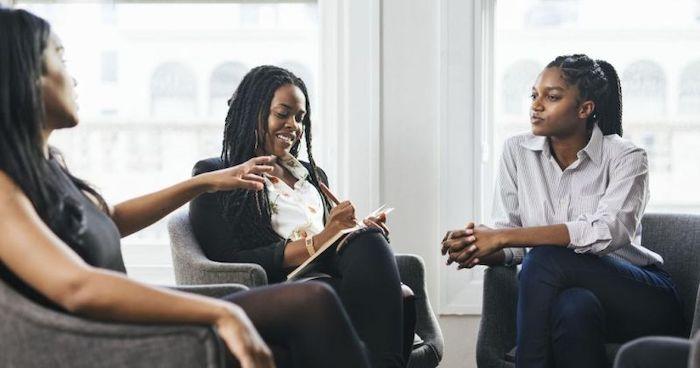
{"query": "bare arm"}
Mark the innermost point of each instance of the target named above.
(341, 217)
(468, 247)
(37, 256)
(135, 214)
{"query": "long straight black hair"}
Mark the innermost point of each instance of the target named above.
(23, 40)
(597, 81)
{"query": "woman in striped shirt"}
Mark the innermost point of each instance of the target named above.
(574, 191)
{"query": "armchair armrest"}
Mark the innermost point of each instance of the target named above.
(696, 317)
(497, 327)
(214, 290)
(412, 272)
(694, 361)
(36, 336)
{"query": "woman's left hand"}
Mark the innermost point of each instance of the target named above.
(466, 246)
(378, 222)
(247, 175)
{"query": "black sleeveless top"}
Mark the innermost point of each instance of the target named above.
(99, 245)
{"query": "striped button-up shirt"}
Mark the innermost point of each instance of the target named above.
(600, 197)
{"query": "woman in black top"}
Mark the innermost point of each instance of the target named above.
(283, 225)
(60, 241)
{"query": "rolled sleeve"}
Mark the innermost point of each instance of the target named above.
(619, 211)
(513, 256)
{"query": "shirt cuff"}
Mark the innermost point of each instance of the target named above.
(588, 237)
(513, 256)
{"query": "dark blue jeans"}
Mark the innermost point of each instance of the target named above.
(570, 305)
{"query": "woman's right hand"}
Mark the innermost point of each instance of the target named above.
(342, 216)
(243, 339)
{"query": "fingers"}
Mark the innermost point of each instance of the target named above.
(253, 177)
(263, 160)
(260, 169)
(461, 255)
(458, 244)
(373, 222)
(471, 264)
(251, 185)
(469, 261)
(470, 225)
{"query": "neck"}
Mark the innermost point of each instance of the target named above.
(565, 149)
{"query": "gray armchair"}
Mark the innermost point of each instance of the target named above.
(676, 237)
(34, 336)
(695, 352)
(193, 267)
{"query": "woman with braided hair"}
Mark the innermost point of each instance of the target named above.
(574, 192)
(60, 243)
(283, 225)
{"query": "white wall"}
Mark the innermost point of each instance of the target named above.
(398, 86)
(426, 86)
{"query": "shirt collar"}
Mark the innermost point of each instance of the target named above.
(294, 166)
(594, 148)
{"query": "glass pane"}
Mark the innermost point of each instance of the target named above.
(654, 48)
(154, 81)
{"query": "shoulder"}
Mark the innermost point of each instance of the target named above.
(518, 142)
(207, 165)
(616, 148)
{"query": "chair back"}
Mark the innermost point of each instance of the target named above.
(676, 237)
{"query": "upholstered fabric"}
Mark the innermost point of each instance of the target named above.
(676, 237)
(192, 267)
(35, 336)
(695, 352)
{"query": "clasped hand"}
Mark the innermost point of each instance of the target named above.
(471, 246)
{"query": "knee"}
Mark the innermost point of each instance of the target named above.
(575, 310)
(369, 247)
(317, 291)
(539, 262)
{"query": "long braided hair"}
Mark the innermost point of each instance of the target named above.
(249, 110)
(23, 39)
(598, 81)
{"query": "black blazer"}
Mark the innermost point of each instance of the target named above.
(226, 242)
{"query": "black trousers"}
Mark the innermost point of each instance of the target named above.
(570, 305)
(365, 276)
(304, 324)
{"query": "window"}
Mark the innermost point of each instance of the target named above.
(644, 93)
(224, 80)
(153, 80)
(110, 71)
(655, 52)
(173, 91)
(689, 93)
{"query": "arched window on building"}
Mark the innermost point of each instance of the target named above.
(517, 83)
(173, 91)
(689, 92)
(644, 89)
(223, 82)
(304, 72)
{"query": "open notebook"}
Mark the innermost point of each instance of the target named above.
(299, 271)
